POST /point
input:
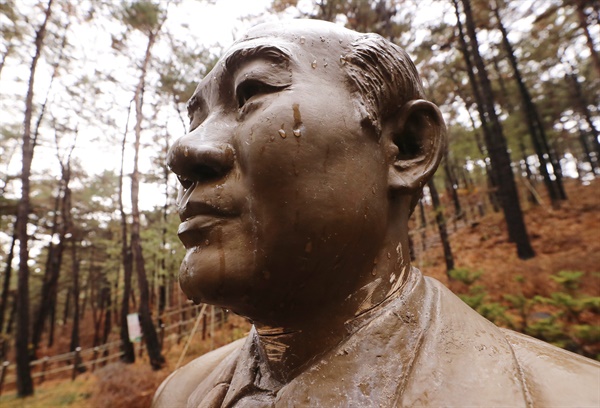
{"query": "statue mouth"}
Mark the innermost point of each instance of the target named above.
(199, 215)
(194, 231)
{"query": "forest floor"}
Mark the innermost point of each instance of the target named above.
(120, 385)
(565, 239)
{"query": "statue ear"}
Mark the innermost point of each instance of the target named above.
(418, 140)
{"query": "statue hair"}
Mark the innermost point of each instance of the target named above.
(385, 78)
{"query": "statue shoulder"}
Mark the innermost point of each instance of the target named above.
(177, 387)
(555, 376)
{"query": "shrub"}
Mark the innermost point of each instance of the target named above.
(550, 330)
(559, 319)
(569, 280)
(465, 275)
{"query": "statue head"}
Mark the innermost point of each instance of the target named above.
(308, 148)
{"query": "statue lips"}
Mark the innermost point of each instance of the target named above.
(198, 218)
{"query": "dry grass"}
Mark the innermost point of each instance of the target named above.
(133, 386)
(57, 393)
(121, 385)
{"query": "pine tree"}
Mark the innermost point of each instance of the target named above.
(24, 382)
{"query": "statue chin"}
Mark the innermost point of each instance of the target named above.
(205, 277)
(227, 278)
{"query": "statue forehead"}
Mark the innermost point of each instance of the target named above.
(293, 30)
(298, 39)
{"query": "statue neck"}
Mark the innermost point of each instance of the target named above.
(289, 351)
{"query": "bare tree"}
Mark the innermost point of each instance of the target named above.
(24, 382)
(126, 345)
(441, 223)
(494, 137)
(537, 132)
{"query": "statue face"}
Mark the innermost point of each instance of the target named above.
(284, 200)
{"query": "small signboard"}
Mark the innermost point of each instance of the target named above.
(134, 328)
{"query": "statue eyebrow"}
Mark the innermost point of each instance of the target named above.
(195, 103)
(273, 53)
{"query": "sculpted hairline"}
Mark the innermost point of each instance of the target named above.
(386, 78)
(383, 74)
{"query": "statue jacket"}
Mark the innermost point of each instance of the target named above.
(422, 347)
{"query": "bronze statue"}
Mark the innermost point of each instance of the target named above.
(308, 150)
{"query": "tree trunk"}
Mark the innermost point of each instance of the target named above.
(98, 310)
(490, 181)
(490, 174)
(67, 308)
(88, 291)
(13, 313)
(441, 223)
(583, 140)
(536, 128)
(115, 307)
(498, 150)
(162, 288)
(583, 23)
(45, 294)
(107, 320)
(6, 281)
(453, 190)
(24, 382)
(148, 328)
(75, 291)
(531, 197)
(525, 165)
(132, 292)
(52, 320)
(127, 347)
(582, 107)
(55, 252)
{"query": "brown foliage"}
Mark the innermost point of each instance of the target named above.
(564, 239)
(126, 386)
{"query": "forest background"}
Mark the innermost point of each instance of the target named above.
(93, 93)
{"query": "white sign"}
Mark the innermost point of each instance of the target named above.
(134, 328)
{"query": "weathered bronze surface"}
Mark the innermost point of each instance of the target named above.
(308, 149)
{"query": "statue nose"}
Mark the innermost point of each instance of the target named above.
(195, 160)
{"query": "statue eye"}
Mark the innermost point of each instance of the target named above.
(251, 88)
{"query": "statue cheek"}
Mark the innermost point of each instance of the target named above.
(269, 151)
